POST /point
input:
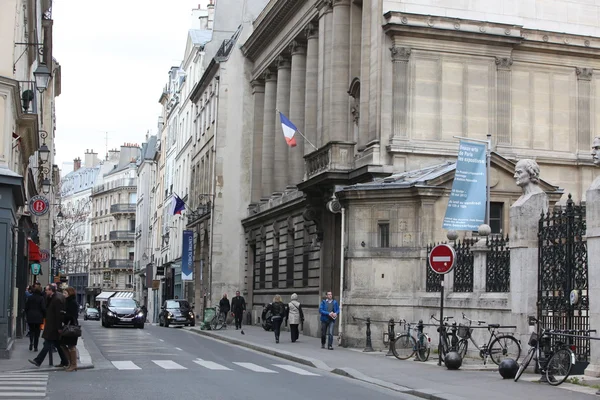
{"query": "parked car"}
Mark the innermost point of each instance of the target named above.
(91, 313)
(176, 312)
(121, 311)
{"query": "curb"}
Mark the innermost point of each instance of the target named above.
(346, 372)
(49, 369)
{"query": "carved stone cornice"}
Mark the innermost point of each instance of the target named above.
(324, 7)
(504, 63)
(283, 63)
(258, 86)
(400, 54)
(297, 47)
(312, 31)
(269, 75)
(584, 74)
(341, 3)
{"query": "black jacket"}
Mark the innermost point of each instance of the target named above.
(70, 316)
(278, 309)
(238, 304)
(35, 308)
(224, 305)
(54, 316)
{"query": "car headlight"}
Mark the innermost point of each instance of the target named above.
(191, 314)
(140, 314)
(110, 314)
(169, 315)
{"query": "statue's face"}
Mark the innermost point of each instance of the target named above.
(521, 176)
(596, 151)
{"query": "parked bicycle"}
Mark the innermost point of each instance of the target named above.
(554, 359)
(498, 347)
(218, 320)
(404, 345)
(448, 340)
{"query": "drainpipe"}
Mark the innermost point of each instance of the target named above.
(342, 240)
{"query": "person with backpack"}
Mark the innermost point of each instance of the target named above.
(279, 312)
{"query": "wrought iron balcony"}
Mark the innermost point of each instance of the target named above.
(119, 183)
(122, 236)
(333, 157)
(128, 208)
(124, 264)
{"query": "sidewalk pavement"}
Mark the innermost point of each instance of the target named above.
(18, 363)
(426, 380)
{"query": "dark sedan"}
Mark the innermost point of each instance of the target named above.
(91, 313)
(122, 311)
(176, 312)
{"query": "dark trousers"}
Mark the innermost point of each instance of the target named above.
(327, 330)
(294, 332)
(48, 344)
(277, 326)
(34, 335)
(238, 318)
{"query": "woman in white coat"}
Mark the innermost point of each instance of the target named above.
(295, 317)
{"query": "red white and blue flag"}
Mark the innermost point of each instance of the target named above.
(289, 130)
(178, 205)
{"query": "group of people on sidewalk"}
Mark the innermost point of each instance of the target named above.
(55, 309)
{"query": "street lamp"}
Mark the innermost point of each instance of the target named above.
(46, 185)
(60, 215)
(44, 152)
(42, 77)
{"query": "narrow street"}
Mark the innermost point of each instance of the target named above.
(172, 363)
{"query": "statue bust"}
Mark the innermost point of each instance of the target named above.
(527, 177)
(596, 159)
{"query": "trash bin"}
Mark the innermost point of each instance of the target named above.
(209, 314)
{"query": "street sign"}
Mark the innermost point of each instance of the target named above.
(442, 259)
(160, 270)
(45, 255)
(35, 269)
(38, 205)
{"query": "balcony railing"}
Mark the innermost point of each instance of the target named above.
(122, 208)
(333, 157)
(114, 185)
(124, 264)
(28, 97)
(122, 236)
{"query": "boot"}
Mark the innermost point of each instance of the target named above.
(72, 359)
(65, 352)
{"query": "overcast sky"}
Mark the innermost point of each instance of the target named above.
(114, 57)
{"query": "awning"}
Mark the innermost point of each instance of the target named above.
(123, 295)
(104, 296)
(34, 252)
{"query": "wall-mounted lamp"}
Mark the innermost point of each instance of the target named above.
(363, 244)
(44, 152)
(46, 185)
(42, 77)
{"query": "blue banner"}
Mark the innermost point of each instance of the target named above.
(466, 206)
(187, 256)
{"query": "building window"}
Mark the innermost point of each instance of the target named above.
(496, 213)
(384, 234)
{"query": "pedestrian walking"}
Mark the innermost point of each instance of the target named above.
(54, 316)
(295, 317)
(238, 306)
(28, 293)
(35, 311)
(329, 310)
(69, 344)
(278, 312)
(224, 308)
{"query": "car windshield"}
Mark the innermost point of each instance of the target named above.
(177, 304)
(125, 303)
(91, 310)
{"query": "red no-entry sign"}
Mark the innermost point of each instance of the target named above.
(442, 259)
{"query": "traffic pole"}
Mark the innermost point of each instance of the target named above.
(440, 346)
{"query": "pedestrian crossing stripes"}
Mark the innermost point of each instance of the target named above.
(213, 366)
(23, 386)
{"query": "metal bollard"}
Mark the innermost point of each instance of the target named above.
(369, 345)
(391, 336)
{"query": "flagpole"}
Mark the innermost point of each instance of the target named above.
(298, 130)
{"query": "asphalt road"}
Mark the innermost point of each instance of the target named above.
(173, 363)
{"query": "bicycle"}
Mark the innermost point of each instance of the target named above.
(448, 341)
(218, 320)
(555, 366)
(497, 348)
(406, 342)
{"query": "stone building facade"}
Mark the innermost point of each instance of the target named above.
(385, 87)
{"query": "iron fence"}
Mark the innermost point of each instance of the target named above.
(497, 271)
(463, 270)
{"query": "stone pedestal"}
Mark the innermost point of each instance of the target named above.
(593, 248)
(524, 225)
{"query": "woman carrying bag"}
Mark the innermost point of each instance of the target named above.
(70, 330)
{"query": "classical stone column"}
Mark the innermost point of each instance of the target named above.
(283, 105)
(340, 71)
(297, 110)
(400, 58)
(268, 136)
(584, 111)
(258, 93)
(503, 102)
(312, 88)
(324, 83)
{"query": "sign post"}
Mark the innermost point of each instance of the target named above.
(441, 260)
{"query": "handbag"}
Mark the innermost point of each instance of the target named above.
(70, 330)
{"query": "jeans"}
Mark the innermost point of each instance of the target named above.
(327, 330)
(294, 332)
(34, 335)
(48, 344)
(238, 319)
(277, 326)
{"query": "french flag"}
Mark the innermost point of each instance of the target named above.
(289, 130)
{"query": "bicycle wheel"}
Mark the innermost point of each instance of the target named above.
(504, 347)
(525, 363)
(423, 348)
(445, 349)
(559, 367)
(404, 347)
(463, 346)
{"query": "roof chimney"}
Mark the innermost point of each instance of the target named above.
(76, 164)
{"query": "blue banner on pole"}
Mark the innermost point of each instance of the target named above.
(187, 256)
(468, 198)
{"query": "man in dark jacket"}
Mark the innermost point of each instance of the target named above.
(238, 306)
(224, 308)
(35, 310)
(52, 327)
